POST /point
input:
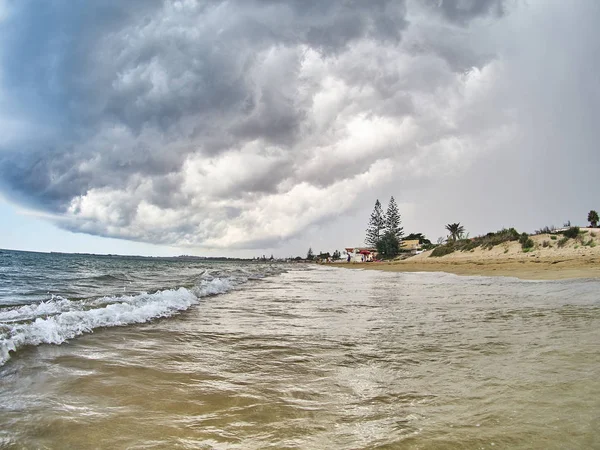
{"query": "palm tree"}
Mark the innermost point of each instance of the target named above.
(593, 218)
(456, 230)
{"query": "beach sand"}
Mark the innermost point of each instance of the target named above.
(574, 260)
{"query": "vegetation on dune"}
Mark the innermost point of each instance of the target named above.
(526, 242)
(571, 233)
(546, 230)
(487, 241)
(490, 240)
(443, 250)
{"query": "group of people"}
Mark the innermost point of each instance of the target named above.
(363, 258)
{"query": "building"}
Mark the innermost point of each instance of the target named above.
(411, 246)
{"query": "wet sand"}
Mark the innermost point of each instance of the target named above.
(536, 269)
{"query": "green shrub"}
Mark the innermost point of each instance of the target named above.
(525, 241)
(553, 237)
(490, 240)
(546, 244)
(528, 244)
(469, 245)
(572, 232)
(592, 234)
(442, 250)
(562, 242)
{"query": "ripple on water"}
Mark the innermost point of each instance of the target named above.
(326, 359)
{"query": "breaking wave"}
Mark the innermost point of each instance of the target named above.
(59, 319)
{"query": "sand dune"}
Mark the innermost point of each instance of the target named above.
(578, 258)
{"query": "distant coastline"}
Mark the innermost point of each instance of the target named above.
(113, 255)
(546, 261)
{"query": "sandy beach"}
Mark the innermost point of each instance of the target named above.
(576, 259)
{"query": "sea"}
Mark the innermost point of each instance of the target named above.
(149, 353)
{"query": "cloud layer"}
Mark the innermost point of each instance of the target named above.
(239, 124)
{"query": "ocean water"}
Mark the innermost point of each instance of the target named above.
(114, 352)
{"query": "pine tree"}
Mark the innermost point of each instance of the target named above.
(376, 226)
(389, 245)
(392, 220)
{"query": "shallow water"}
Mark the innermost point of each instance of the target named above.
(326, 358)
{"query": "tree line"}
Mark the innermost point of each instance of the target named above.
(384, 231)
(310, 256)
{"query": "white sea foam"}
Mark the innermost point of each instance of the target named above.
(58, 320)
(29, 312)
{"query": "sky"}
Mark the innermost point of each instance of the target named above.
(251, 127)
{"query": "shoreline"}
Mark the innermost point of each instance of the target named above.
(550, 269)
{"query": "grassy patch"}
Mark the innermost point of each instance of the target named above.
(442, 250)
(562, 242)
(553, 237)
(490, 240)
(546, 230)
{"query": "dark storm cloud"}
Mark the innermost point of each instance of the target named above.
(114, 79)
(463, 11)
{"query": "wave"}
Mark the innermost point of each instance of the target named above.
(58, 320)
